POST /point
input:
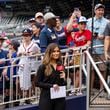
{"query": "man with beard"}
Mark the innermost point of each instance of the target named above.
(48, 34)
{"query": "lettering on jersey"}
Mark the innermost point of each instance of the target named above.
(81, 38)
(49, 30)
(53, 36)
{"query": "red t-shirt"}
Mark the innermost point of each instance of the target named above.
(80, 39)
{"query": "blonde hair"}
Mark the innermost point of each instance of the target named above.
(47, 58)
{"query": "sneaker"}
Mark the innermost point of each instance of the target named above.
(34, 101)
(22, 102)
(77, 92)
(27, 102)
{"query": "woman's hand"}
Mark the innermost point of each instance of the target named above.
(56, 87)
(62, 75)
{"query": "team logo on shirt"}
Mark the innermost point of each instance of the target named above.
(81, 38)
(53, 36)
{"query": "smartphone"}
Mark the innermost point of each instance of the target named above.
(76, 9)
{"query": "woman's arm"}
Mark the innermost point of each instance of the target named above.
(40, 78)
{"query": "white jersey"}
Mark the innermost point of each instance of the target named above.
(27, 64)
(33, 47)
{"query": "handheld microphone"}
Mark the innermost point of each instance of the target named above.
(60, 67)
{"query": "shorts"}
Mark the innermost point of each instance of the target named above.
(7, 85)
(33, 76)
(99, 58)
(74, 61)
(74, 70)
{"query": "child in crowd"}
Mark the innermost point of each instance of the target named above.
(27, 50)
(10, 82)
(81, 38)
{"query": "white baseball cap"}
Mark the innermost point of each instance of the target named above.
(38, 14)
(99, 6)
(49, 15)
(82, 19)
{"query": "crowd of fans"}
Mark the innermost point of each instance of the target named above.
(46, 29)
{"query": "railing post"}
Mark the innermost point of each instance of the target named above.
(88, 83)
(80, 69)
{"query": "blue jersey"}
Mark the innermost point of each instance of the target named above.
(61, 38)
(46, 37)
(12, 70)
(3, 56)
(36, 40)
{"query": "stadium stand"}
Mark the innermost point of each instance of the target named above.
(14, 17)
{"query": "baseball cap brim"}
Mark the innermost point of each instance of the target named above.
(2, 38)
(82, 22)
(32, 20)
(82, 19)
(39, 14)
(99, 6)
(26, 34)
(49, 15)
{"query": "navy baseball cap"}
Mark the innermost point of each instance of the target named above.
(26, 32)
(32, 20)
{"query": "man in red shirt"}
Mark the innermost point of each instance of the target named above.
(83, 36)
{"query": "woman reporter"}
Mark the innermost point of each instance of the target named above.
(48, 76)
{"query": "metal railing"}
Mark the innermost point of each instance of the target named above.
(16, 94)
(90, 98)
(69, 56)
